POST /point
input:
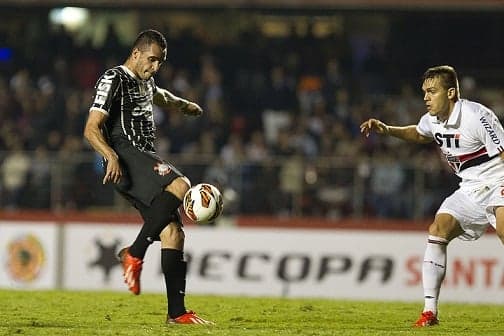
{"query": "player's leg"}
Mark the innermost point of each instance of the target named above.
(156, 187)
(175, 271)
(499, 226)
(459, 215)
(161, 212)
(444, 228)
(158, 215)
(174, 268)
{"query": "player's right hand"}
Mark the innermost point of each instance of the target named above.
(373, 125)
(113, 172)
(192, 109)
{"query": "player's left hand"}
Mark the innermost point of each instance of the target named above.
(192, 109)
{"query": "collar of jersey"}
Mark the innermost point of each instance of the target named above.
(454, 118)
(128, 71)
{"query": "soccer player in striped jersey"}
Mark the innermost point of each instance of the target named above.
(121, 128)
(471, 138)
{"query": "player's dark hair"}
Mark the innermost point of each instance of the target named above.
(148, 37)
(447, 77)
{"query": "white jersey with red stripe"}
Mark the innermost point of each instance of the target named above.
(471, 140)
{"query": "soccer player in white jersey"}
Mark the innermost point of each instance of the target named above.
(471, 138)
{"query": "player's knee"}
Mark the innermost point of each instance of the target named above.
(445, 226)
(500, 232)
(501, 236)
(179, 186)
(172, 236)
(499, 227)
(434, 229)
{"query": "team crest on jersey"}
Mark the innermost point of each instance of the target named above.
(454, 162)
(162, 168)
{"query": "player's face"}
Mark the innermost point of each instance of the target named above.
(148, 61)
(437, 99)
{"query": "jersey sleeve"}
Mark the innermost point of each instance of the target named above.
(105, 91)
(490, 132)
(424, 127)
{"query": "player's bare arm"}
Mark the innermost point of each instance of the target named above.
(407, 133)
(163, 97)
(94, 135)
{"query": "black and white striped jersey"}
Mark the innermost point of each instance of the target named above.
(127, 100)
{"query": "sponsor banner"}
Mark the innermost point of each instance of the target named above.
(28, 255)
(344, 264)
(338, 264)
(91, 256)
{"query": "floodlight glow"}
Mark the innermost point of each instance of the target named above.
(70, 17)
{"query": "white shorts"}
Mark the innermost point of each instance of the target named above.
(474, 208)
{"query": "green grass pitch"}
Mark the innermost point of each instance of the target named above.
(105, 313)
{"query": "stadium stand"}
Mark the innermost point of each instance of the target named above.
(284, 93)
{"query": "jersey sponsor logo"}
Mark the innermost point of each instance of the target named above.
(142, 108)
(162, 169)
(103, 89)
(490, 130)
(448, 140)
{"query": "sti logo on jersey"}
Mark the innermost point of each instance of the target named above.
(103, 89)
(449, 140)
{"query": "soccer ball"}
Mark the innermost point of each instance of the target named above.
(203, 203)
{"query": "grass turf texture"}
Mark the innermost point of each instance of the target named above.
(104, 313)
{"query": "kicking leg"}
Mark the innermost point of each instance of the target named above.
(158, 215)
(161, 212)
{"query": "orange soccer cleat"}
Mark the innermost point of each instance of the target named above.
(427, 319)
(132, 267)
(189, 317)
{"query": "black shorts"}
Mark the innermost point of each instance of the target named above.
(145, 175)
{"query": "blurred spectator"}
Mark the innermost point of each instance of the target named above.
(387, 187)
(281, 91)
(291, 179)
(232, 156)
(256, 150)
(272, 104)
(309, 92)
(14, 172)
(233, 152)
(39, 180)
(303, 139)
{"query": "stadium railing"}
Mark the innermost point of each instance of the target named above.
(331, 188)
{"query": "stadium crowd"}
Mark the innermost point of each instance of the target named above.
(280, 115)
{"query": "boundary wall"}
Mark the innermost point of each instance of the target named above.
(250, 256)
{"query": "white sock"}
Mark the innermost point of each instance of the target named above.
(433, 271)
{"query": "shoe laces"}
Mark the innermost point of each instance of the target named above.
(426, 318)
(428, 315)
